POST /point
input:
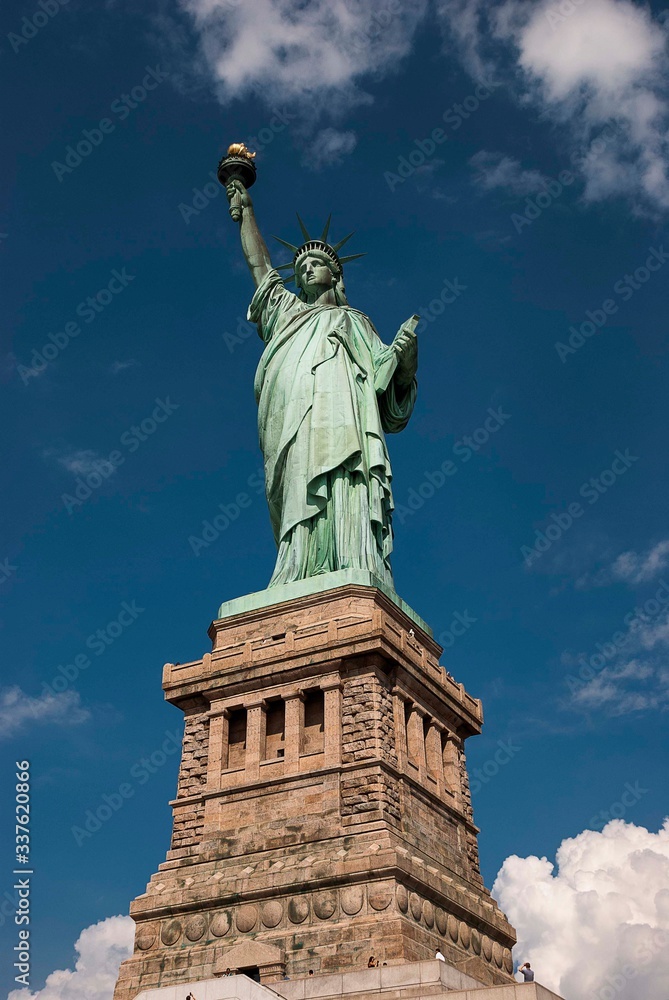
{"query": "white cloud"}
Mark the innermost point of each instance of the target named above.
(80, 462)
(631, 567)
(605, 61)
(599, 72)
(636, 568)
(629, 671)
(598, 928)
(315, 53)
(100, 948)
(464, 20)
(495, 170)
(120, 366)
(17, 708)
(624, 687)
(330, 148)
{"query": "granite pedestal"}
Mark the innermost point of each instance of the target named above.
(323, 811)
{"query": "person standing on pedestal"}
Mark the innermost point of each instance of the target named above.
(328, 390)
(527, 973)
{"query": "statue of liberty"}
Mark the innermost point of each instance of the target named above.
(328, 390)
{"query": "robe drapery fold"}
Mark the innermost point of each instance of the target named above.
(326, 394)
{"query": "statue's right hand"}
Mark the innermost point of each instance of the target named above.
(236, 187)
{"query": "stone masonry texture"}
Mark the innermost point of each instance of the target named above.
(342, 829)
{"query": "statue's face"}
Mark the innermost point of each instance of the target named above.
(314, 275)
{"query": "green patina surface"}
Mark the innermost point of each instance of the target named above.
(328, 391)
(317, 585)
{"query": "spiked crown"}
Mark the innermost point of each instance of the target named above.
(319, 244)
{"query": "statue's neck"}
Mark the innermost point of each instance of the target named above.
(326, 298)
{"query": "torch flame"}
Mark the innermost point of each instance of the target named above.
(239, 149)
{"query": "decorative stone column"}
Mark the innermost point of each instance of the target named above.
(255, 738)
(400, 728)
(294, 723)
(435, 764)
(218, 745)
(451, 757)
(332, 721)
(416, 740)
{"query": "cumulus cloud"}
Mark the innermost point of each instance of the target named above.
(597, 70)
(495, 170)
(585, 65)
(636, 568)
(627, 686)
(597, 928)
(315, 53)
(631, 567)
(629, 670)
(330, 148)
(17, 709)
(100, 949)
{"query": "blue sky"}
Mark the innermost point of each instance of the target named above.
(442, 135)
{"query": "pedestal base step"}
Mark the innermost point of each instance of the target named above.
(429, 980)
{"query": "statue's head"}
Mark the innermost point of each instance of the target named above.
(317, 267)
(316, 273)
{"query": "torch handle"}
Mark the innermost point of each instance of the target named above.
(236, 207)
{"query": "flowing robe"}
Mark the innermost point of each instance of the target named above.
(326, 393)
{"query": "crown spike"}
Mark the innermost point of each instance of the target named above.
(288, 246)
(341, 242)
(303, 228)
(284, 267)
(326, 229)
(353, 256)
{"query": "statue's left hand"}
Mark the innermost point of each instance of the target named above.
(405, 346)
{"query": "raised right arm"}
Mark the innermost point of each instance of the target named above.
(254, 247)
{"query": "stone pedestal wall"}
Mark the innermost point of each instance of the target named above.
(323, 810)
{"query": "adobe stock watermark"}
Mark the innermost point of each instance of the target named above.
(88, 310)
(7, 570)
(98, 643)
(130, 440)
(121, 107)
(463, 451)
(480, 776)
(140, 772)
(630, 795)
(451, 290)
(557, 13)
(453, 117)
(227, 514)
(461, 623)
(30, 26)
(606, 652)
(243, 331)
(647, 953)
(624, 288)
(212, 188)
(536, 204)
(591, 490)
(380, 21)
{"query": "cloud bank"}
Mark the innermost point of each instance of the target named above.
(598, 927)
(18, 709)
(315, 54)
(584, 64)
(100, 950)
